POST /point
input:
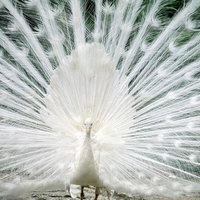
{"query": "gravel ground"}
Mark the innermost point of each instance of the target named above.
(89, 195)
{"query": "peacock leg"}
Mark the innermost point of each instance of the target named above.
(97, 190)
(82, 193)
(110, 194)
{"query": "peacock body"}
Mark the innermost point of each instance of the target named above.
(109, 99)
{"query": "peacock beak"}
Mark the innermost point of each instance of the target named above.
(88, 129)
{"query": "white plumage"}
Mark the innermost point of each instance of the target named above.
(109, 99)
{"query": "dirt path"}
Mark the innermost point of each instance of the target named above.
(89, 194)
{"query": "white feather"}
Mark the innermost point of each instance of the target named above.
(142, 97)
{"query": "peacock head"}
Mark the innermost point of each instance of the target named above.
(88, 125)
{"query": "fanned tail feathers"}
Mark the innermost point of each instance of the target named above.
(131, 68)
